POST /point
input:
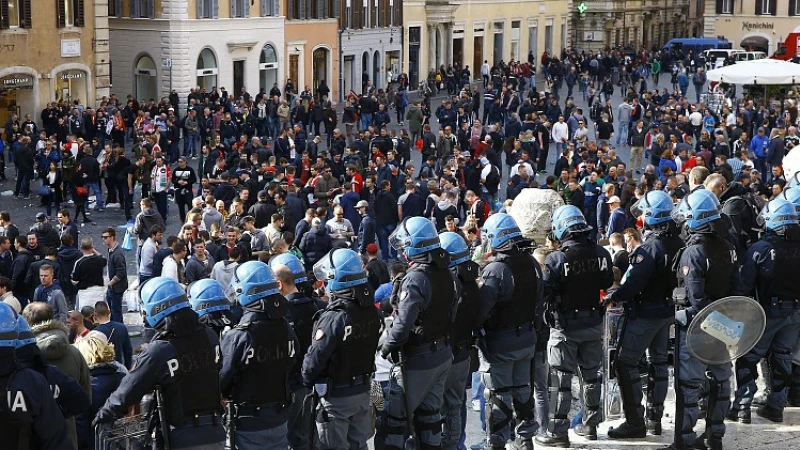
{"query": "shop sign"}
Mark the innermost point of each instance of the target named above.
(752, 26)
(70, 75)
(17, 82)
(70, 48)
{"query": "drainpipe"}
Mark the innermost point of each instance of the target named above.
(341, 67)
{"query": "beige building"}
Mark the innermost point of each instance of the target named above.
(56, 51)
(469, 32)
(754, 25)
(312, 45)
(634, 23)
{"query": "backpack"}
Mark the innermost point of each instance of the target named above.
(493, 179)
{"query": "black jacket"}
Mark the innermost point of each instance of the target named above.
(314, 245)
(385, 208)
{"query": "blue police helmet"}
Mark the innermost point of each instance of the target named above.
(8, 326)
(698, 208)
(500, 230)
(253, 281)
(415, 236)
(655, 206)
(290, 261)
(207, 296)
(341, 269)
(794, 180)
(778, 213)
(24, 334)
(456, 246)
(162, 296)
(793, 196)
(568, 218)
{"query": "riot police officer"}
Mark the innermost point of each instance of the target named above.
(298, 269)
(301, 317)
(574, 274)
(510, 292)
(208, 300)
(181, 363)
(768, 270)
(793, 396)
(705, 271)
(424, 305)
(647, 295)
(341, 359)
(467, 272)
(29, 416)
(258, 355)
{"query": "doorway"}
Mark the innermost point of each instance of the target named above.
(238, 77)
(294, 63)
(497, 55)
(413, 66)
(377, 77)
(319, 67)
(458, 53)
(349, 75)
(477, 58)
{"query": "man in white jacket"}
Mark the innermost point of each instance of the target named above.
(173, 264)
(560, 134)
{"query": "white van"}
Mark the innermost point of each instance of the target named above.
(715, 57)
(749, 56)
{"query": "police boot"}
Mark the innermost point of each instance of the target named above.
(770, 413)
(700, 442)
(548, 439)
(587, 431)
(654, 427)
(714, 443)
(628, 430)
(523, 444)
(739, 415)
(793, 397)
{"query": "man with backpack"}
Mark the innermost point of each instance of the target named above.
(490, 181)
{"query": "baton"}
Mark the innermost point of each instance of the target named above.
(231, 410)
(162, 419)
(409, 412)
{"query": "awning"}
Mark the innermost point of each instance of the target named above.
(755, 42)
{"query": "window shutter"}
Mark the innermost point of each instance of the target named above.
(246, 8)
(61, 20)
(201, 9)
(214, 9)
(26, 20)
(792, 7)
(264, 8)
(276, 8)
(118, 11)
(134, 8)
(151, 9)
(773, 7)
(320, 9)
(355, 11)
(77, 10)
(4, 22)
(387, 16)
(719, 6)
(758, 7)
(233, 8)
(301, 10)
(336, 9)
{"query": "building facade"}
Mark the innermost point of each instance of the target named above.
(371, 34)
(56, 51)
(469, 32)
(162, 45)
(629, 23)
(749, 24)
(312, 44)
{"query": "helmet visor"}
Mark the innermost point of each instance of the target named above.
(400, 238)
(762, 218)
(640, 207)
(324, 269)
(682, 212)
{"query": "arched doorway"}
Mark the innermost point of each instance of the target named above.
(146, 86)
(207, 70)
(321, 59)
(268, 67)
(376, 70)
(364, 69)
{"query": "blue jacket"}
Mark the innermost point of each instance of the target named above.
(315, 244)
(617, 221)
(775, 151)
(758, 146)
(366, 233)
(105, 380)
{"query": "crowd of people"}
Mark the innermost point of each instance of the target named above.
(281, 222)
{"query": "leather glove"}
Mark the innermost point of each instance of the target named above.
(683, 317)
(385, 352)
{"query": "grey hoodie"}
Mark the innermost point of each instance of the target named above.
(223, 273)
(212, 216)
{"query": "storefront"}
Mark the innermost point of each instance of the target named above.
(268, 67)
(72, 85)
(207, 70)
(16, 96)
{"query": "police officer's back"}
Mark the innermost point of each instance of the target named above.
(29, 416)
(574, 275)
(208, 300)
(258, 356)
(767, 273)
(182, 360)
(341, 358)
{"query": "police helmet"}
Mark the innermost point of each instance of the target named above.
(778, 213)
(294, 264)
(794, 180)
(456, 246)
(655, 206)
(162, 296)
(415, 236)
(793, 196)
(341, 269)
(8, 326)
(24, 334)
(254, 281)
(500, 231)
(698, 208)
(568, 219)
(207, 296)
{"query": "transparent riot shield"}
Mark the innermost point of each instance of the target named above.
(613, 325)
(725, 330)
(128, 433)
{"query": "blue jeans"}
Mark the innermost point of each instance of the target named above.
(98, 194)
(114, 301)
(190, 144)
(366, 120)
(622, 132)
(23, 183)
(478, 389)
(387, 252)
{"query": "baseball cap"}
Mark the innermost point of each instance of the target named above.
(182, 158)
(613, 199)
(372, 248)
(484, 161)
(41, 216)
(362, 204)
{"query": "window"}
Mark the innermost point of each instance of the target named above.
(70, 13)
(270, 8)
(240, 8)
(365, 24)
(766, 7)
(794, 7)
(725, 6)
(207, 9)
(207, 70)
(348, 14)
(114, 8)
(10, 14)
(142, 9)
(391, 13)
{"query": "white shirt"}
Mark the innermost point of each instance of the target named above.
(560, 132)
(485, 69)
(731, 120)
(515, 169)
(696, 118)
(485, 171)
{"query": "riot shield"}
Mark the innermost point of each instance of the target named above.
(613, 324)
(725, 330)
(128, 433)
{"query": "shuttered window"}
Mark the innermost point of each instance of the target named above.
(15, 14)
(69, 13)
